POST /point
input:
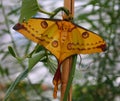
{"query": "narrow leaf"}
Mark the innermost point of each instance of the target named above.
(35, 59)
(13, 85)
(11, 51)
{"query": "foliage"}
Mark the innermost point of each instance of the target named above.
(100, 77)
(22, 93)
(103, 91)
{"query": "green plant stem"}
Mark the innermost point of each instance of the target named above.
(66, 11)
(45, 12)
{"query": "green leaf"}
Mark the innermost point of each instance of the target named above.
(52, 65)
(13, 85)
(3, 71)
(29, 9)
(11, 51)
(35, 59)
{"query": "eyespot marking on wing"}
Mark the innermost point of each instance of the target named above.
(85, 35)
(44, 24)
(55, 43)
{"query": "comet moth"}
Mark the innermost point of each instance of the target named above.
(62, 38)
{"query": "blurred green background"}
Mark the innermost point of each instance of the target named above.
(97, 78)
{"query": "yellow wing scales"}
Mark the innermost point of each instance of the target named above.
(43, 32)
(61, 38)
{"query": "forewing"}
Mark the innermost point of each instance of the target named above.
(42, 31)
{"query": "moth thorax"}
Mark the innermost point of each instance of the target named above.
(65, 26)
(64, 36)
